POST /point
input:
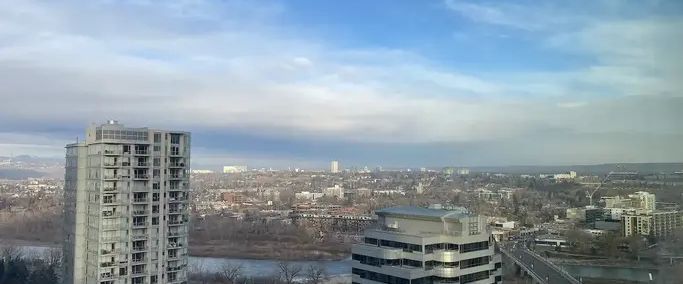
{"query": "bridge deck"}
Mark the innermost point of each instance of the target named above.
(537, 266)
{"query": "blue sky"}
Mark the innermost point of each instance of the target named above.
(392, 83)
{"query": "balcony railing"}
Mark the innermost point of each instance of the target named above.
(111, 239)
(112, 152)
(139, 248)
(177, 255)
(140, 224)
(138, 260)
(111, 214)
(107, 275)
(175, 222)
(175, 268)
(177, 165)
(139, 212)
(141, 177)
(112, 251)
(112, 176)
(141, 152)
(141, 165)
(139, 237)
(111, 188)
(176, 210)
(176, 234)
(138, 272)
(140, 200)
(107, 264)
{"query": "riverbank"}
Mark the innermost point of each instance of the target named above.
(270, 250)
(244, 250)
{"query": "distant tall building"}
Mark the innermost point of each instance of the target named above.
(126, 206)
(421, 245)
(334, 167)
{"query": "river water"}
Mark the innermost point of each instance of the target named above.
(261, 267)
(250, 267)
(616, 273)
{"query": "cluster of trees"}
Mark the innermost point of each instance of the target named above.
(42, 227)
(614, 245)
(258, 237)
(285, 273)
(610, 245)
(228, 229)
(17, 269)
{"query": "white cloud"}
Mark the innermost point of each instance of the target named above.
(200, 66)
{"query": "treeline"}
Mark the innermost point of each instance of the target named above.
(259, 238)
(42, 227)
(217, 227)
(284, 273)
(15, 268)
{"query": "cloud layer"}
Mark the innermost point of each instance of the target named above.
(217, 67)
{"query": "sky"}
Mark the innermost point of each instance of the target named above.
(396, 83)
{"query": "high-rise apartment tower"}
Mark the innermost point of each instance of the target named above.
(126, 206)
(334, 167)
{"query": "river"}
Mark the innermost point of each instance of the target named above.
(615, 273)
(264, 267)
(250, 267)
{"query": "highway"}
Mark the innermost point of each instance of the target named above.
(542, 268)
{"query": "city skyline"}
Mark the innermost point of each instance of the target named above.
(283, 83)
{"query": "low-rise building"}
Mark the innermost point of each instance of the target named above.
(336, 191)
(305, 195)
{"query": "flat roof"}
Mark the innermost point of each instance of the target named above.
(414, 211)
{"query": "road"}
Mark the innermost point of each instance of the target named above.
(538, 265)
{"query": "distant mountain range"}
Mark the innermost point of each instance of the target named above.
(20, 174)
(600, 169)
(24, 166)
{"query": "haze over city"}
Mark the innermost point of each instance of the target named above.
(392, 83)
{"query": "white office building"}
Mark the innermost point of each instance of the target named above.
(334, 167)
(414, 245)
(335, 192)
(126, 206)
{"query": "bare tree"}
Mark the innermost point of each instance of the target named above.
(315, 273)
(53, 257)
(199, 274)
(229, 273)
(11, 253)
(288, 271)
